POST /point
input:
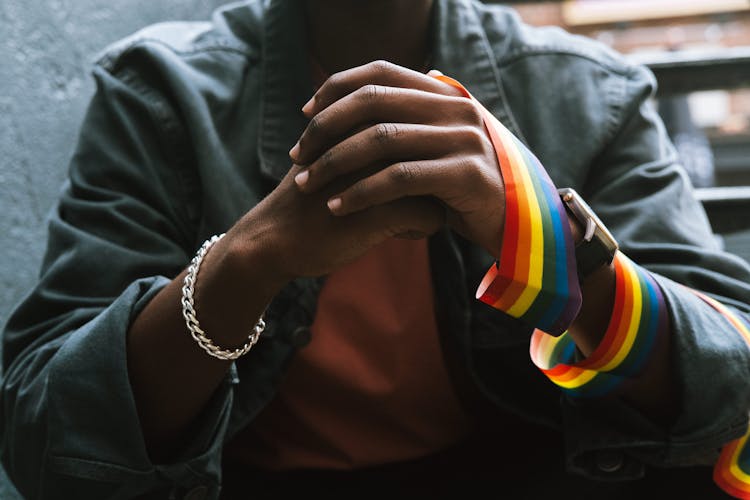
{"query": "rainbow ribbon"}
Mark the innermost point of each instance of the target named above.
(732, 470)
(535, 278)
(639, 315)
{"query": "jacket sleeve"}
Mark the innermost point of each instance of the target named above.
(643, 195)
(121, 230)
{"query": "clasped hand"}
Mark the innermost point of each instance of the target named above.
(389, 152)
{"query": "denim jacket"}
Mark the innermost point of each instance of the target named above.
(190, 127)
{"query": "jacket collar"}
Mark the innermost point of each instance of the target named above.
(461, 49)
(286, 84)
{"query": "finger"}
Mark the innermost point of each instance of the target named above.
(436, 178)
(379, 104)
(414, 217)
(379, 73)
(387, 142)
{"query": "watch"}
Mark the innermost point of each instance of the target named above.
(597, 248)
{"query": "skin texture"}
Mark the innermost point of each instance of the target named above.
(388, 152)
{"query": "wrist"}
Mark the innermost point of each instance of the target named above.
(233, 288)
(193, 323)
(598, 293)
(254, 261)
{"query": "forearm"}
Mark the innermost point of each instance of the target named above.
(172, 377)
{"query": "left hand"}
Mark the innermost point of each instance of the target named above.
(405, 134)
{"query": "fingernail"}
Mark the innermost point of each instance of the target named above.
(334, 204)
(434, 72)
(301, 178)
(308, 105)
(294, 151)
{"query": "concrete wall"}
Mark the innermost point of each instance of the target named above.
(46, 49)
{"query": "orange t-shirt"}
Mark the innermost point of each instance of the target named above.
(372, 386)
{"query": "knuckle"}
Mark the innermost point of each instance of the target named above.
(476, 168)
(471, 113)
(465, 165)
(385, 132)
(370, 93)
(473, 169)
(333, 83)
(402, 173)
(474, 137)
(381, 66)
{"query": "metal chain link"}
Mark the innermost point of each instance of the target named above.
(188, 311)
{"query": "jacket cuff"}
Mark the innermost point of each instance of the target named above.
(607, 439)
(94, 430)
(711, 370)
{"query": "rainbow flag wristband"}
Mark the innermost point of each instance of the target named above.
(639, 316)
(535, 279)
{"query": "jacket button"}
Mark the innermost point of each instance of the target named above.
(301, 336)
(609, 460)
(197, 493)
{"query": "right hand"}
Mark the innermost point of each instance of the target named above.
(300, 237)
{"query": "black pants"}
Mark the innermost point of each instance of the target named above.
(477, 469)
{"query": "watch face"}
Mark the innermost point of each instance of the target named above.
(585, 215)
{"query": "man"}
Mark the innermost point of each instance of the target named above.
(387, 374)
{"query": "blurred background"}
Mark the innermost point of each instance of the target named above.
(699, 51)
(711, 99)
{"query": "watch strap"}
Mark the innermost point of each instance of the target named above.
(590, 256)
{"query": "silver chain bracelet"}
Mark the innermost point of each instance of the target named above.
(188, 311)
